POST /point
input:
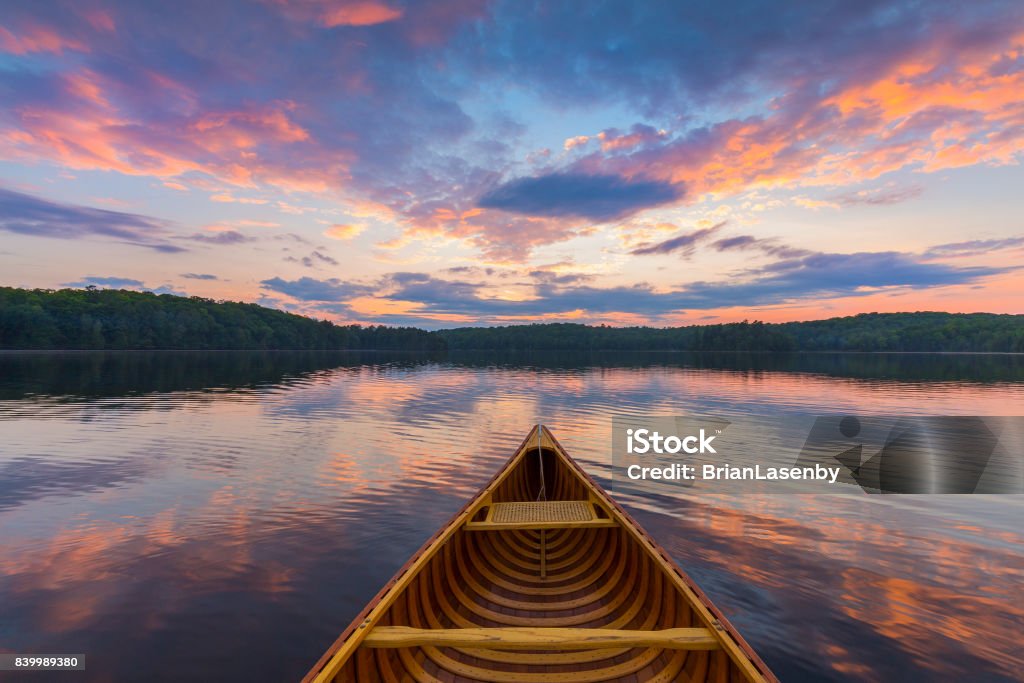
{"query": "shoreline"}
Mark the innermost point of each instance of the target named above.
(531, 351)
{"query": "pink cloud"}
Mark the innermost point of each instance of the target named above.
(249, 146)
(100, 20)
(236, 116)
(941, 107)
(37, 38)
(612, 140)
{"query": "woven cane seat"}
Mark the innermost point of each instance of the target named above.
(543, 511)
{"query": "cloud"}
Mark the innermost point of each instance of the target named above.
(29, 215)
(775, 248)
(575, 141)
(358, 13)
(112, 282)
(35, 38)
(594, 197)
(974, 248)
(802, 277)
(376, 102)
(166, 289)
(879, 197)
(738, 242)
(814, 204)
(122, 283)
(344, 231)
(548, 277)
(226, 198)
(250, 223)
(310, 289)
(810, 276)
(220, 237)
(815, 274)
(639, 135)
(292, 237)
(686, 243)
(768, 245)
(315, 258)
(199, 276)
(441, 295)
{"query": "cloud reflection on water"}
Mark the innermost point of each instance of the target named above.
(247, 519)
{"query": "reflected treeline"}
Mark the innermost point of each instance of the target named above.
(109, 374)
(120, 373)
(910, 367)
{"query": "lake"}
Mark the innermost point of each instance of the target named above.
(223, 515)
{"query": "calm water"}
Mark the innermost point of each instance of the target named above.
(222, 516)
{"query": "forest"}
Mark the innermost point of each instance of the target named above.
(923, 331)
(120, 319)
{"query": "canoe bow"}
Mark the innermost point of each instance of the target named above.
(540, 577)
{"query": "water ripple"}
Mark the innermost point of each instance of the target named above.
(148, 500)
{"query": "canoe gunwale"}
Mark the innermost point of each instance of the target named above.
(718, 623)
(721, 623)
(446, 528)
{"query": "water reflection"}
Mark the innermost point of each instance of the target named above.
(243, 507)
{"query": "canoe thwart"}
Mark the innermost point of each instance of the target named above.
(542, 514)
(537, 638)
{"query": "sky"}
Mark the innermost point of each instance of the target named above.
(464, 162)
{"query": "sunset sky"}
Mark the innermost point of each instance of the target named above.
(459, 162)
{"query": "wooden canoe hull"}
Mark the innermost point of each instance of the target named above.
(490, 598)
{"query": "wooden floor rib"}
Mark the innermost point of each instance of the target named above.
(491, 580)
(594, 577)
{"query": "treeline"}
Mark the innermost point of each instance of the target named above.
(120, 319)
(865, 332)
(575, 337)
(925, 331)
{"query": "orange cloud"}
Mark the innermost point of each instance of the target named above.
(578, 141)
(359, 14)
(226, 198)
(344, 231)
(926, 113)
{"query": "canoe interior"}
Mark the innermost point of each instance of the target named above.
(594, 578)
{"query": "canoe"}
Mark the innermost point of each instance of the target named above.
(540, 578)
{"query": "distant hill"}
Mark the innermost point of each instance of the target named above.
(865, 332)
(121, 319)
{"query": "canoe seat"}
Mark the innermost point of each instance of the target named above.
(531, 638)
(543, 514)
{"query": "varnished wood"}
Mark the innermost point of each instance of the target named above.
(543, 554)
(541, 638)
(594, 523)
(569, 589)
